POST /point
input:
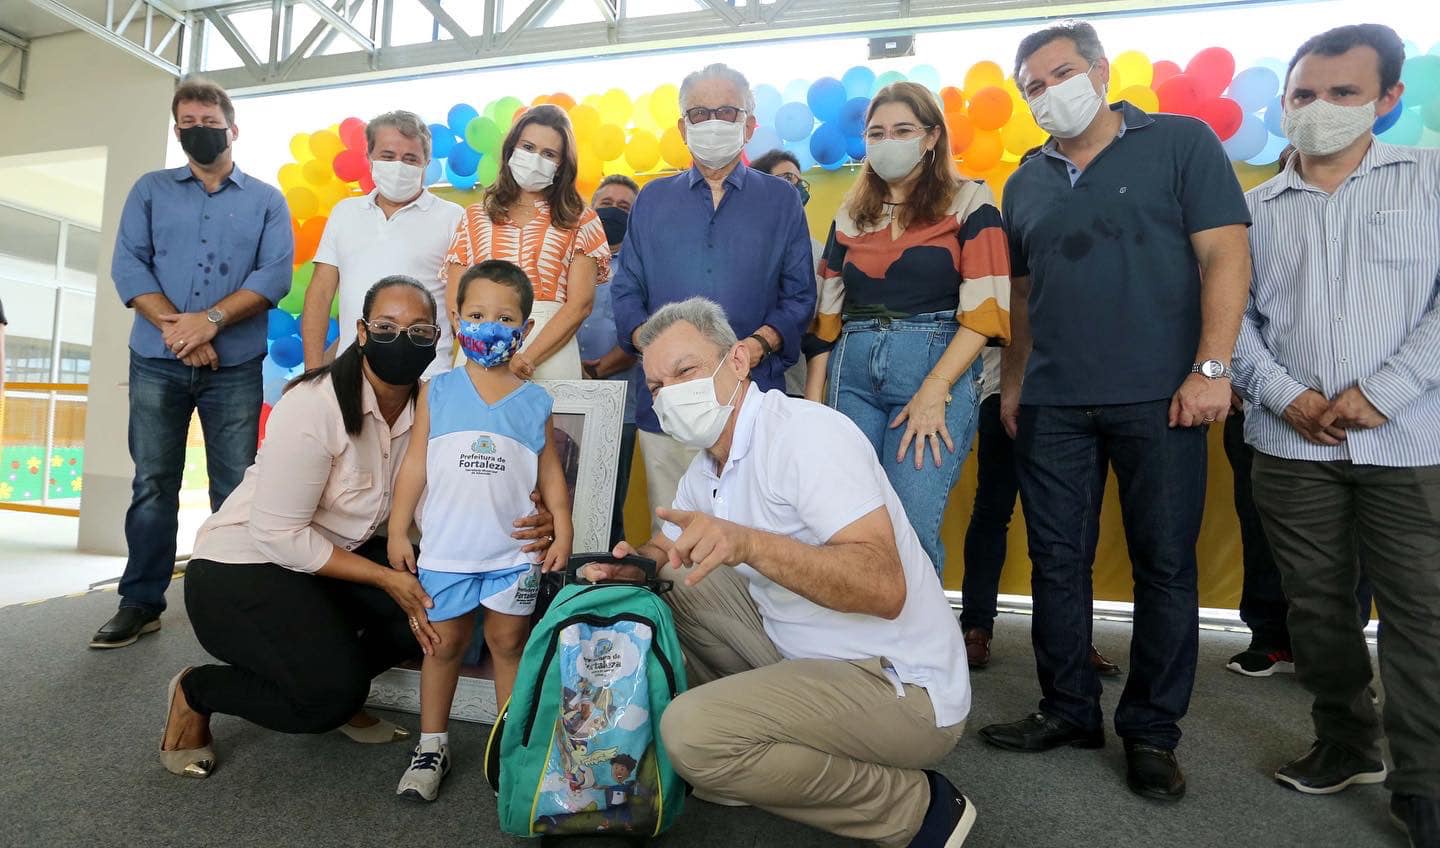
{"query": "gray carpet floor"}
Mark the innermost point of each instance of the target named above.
(81, 730)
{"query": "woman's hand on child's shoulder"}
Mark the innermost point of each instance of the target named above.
(401, 554)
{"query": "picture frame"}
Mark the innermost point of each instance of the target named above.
(589, 416)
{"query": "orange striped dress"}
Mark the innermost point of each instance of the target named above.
(543, 250)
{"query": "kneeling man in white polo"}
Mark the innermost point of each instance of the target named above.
(808, 611)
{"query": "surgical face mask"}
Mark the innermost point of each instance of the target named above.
(1065, 110)
(532, 171)
(1322, 128)
(204, 144)
(399, 362)
(690, 414)
(488, 343)
(893, 159)
(398, 181)
(715, 143)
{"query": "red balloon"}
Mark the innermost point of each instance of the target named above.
(351, 165)
(367, 183)
(1179, 95)
(264, 419)
(1212, 69)
(1164, 70)
(1222, 114)
(352, 132)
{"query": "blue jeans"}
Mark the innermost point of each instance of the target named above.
(1062, 453)
(875, 369)
(164, 394)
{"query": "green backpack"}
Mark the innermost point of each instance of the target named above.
(577, 749)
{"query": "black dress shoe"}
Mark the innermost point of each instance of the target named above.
(1041, 732)
(1327, 769)
(128, 625)
(1153, 772)
(1418, 817)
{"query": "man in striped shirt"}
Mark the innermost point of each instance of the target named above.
(1339, 358)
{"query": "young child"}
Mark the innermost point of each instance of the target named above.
(482, 437)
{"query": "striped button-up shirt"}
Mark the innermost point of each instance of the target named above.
(1346, 292)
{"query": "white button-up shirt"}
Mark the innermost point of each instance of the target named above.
(805, 471)
(1346, 292)
(364, 246)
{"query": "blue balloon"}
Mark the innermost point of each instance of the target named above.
(927, 76)
(281, 323)
(767, 101)
(801, 149)
(1407, 127)
(794, 121)
(271, 390)
(464, 182)
(859, 81)
(796, 90)
(434, 171)
(1271, 154)
(1248, 141)
(827, 145)
(287, 351)
(441, 140)
(461, 114)
(1253, 88)
(463, 160)
(270, 371)
(855, 146)
(826, 98)
(763, 141)
(852, 117)
(1273, 115)
(332, 332)
(1388, 120)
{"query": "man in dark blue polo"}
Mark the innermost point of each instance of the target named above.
(720, 231)
(203, 252)
(1131, 270)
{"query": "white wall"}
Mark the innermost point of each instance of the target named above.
(83, 93)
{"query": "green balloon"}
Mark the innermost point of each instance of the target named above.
(488, 170)
(294, 301)
(1421, 75)
(1430, 114)
(505, 109)
(482, 134)
(887, 78)
(335, 306)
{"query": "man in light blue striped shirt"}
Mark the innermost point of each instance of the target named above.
(1339, 358)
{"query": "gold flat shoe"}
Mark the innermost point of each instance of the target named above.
(187, 762)
(379, 733)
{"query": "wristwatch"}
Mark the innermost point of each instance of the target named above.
(215, 316)
(765, 348)
(1212, 369)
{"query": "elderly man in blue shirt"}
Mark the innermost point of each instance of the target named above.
(722, 231)
(203, 252)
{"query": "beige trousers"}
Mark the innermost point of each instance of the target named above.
(824, 742)
(665, 463)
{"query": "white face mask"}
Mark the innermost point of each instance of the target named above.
(1321, 128)
(398, 181)
(532, 171)
(715, 143)
(690, 414)
(892, 159)
(1065, 110)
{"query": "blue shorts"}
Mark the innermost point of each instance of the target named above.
(512, 591)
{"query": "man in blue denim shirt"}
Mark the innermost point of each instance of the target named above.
(203, 252)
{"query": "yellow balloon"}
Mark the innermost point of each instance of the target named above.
(665, 105)
(1133, 68)
(608, 143)
(982, 75)
(325, 145)
(317, 172)
(673, 149)
(586, 120)
(620, 166)
(643, 151)
(592, 100)
(589, 170)
(291, 176)
(1141, 97)
(1021, 133)
(641, 118)
(615, 107)
(300, 147)
(302, 202)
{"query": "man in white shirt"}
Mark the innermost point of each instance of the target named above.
(805, 605)
(399, 228)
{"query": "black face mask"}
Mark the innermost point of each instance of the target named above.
(804, 194)
(399, 363)
(204, 144)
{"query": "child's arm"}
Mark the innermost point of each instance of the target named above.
(556, 494)
(409, 486)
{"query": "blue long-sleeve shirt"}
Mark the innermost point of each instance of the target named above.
(195, 248)
(751, 255)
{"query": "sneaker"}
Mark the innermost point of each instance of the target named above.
(949, 817)
(429, 763)
(1257, 662)
(977, 647)
(127, 625)
(1418, 817)
(1327, 769)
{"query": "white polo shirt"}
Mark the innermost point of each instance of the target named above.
(805, 471)
(365, 246)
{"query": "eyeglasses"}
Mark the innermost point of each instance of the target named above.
(728, 114)
(795, 180)
(385, 332)
(899, 132)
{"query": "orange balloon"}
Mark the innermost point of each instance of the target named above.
(962, 132)
(540, 98)
(990, 108)
(952, 98)
(563, 100)
(983, 153)
(307, 239)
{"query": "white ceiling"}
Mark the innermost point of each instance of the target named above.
(30, 21)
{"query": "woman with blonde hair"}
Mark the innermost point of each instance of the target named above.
(533, 216)
(914, 282)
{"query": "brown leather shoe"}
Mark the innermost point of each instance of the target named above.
(1103, 666)
(977, 647)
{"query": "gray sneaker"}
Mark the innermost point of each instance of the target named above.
(429, 763)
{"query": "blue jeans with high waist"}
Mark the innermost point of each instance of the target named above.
(876, 367)
(164, 394)
(1062, 455)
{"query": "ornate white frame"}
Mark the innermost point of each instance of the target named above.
(602, 402)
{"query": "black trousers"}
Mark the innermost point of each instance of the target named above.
(985, 539)
(300, 649)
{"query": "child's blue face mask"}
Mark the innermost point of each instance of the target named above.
(488, 343)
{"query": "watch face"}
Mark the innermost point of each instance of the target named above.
(1212, 368)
